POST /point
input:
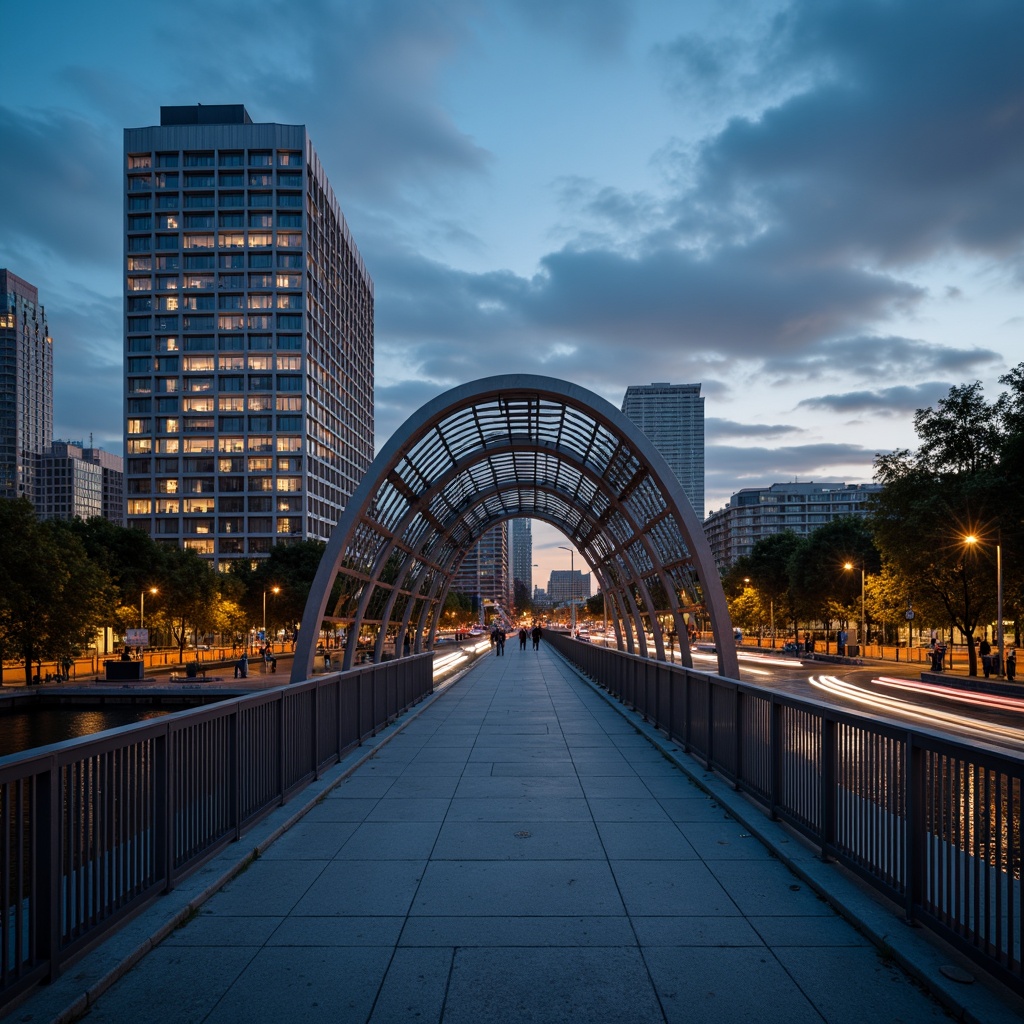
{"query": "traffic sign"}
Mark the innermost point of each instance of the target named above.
(910, 614)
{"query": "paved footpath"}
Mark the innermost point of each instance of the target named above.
(519, 851)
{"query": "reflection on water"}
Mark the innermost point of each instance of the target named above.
(23, 730)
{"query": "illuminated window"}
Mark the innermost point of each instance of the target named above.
(167, 486)
(199, 384)
(288, 280)
(198, 242)
(260, 403)
(139, 160)
(261, 302)
(139, 507)
(231, 444)
(142, 446)
(229, 322)
(286, 484)
(231, 240)
(167, 283)
(289, 403)
(138, 426)
(201, 281)
(168, 506)
(168, 445)
(261, 239)
(289, 444)
(197, 445)
(289, 239)
(201, 547)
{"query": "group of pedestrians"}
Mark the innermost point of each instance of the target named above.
(499, 636)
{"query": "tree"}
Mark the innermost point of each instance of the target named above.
(768, 568)
(933, 499)
(53, 598)
(190, 593)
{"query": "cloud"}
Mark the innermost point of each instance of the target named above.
(720, 429)
(894, 401)
(907, 142)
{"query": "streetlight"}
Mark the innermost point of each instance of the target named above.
(273, 590)
(572, 580)
(972, 539)
(142, 607)
(863, 631)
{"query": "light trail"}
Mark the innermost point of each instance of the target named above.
(974, 697)
(947, 720)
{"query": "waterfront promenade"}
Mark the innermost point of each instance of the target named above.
(519, 848)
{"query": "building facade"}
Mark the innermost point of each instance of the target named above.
(521, 557)
(672, 416)
(757, 512)
(26, 387)
(484, 574)
(568, 585)
(248, 337)
(79, 482)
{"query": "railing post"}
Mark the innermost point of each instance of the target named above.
(828, 787)
(47, 870)
(234, 727)
(915, 842)
(775, 757)
(738, 736)
(281, 755)
(316, 731)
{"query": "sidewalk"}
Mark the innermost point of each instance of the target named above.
(518, 850)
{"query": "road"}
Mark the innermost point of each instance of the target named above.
(881, 690)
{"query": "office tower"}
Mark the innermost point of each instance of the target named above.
(26, 386)
(248, 336)
(568, 585)
(757, 512)
(79, 482)
(672, 416)
(522, 555)
(483, 574)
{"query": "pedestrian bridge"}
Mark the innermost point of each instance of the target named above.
(500, 448)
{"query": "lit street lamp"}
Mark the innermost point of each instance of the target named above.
(273, 590)
(863, 638)
(142, 607)
(972, 539)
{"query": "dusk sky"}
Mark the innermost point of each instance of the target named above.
(813, 208)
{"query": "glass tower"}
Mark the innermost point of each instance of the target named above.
(672, 416)
(26, 387)
(248, 336)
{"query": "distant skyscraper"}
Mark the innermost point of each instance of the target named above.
(79, 482)
(566, 585)
(758, 512)
(484, 572)
(248, 336)
(672, 416)
(26, 387)
(522, 553)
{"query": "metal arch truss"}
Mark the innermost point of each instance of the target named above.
(500, 448)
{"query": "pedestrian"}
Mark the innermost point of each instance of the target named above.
(536, 634)
(985, 650)
(522, 638)
(327, 661)
(1011, 664)
(242, 667)
(273, 663)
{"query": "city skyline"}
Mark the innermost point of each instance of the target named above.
(811, 208)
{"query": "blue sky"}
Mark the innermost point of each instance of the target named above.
(814, 208)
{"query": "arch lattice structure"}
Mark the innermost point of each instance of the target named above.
(503, 447)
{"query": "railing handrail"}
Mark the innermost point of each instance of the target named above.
(93, 828)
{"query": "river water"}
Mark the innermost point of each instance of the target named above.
(23, 730)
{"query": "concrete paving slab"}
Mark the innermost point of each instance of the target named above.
(524, 840)
(414, 988)
(694, 931)
(501, 787)
(353, 930)
(391, 840)
(312, 840)
(651, 888)
(362, 888)
(513, 888)
(647, 840)
(771, 890)
(724, 840)
(523, 930)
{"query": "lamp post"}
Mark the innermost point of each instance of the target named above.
(572, 579)
(972, 539)
(863, 631)
(142, 607)
(273, 590)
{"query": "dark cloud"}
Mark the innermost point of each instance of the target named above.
(896, 401)
(602, 26)
(909, 142)
(718, 429)
(880, 358)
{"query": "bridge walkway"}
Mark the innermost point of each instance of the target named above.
(518, 850)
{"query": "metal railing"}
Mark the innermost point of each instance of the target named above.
(93, 829)
(931, 822)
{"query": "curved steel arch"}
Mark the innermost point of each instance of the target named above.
(515, 445)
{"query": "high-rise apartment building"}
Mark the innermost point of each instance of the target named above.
(79, 482)
(522, 554)
(672, 416)
(568, 585)
(483, 574)
(248, 336)
(757, 512)
(26, 387)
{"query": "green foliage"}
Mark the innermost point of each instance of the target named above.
(53, 597)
